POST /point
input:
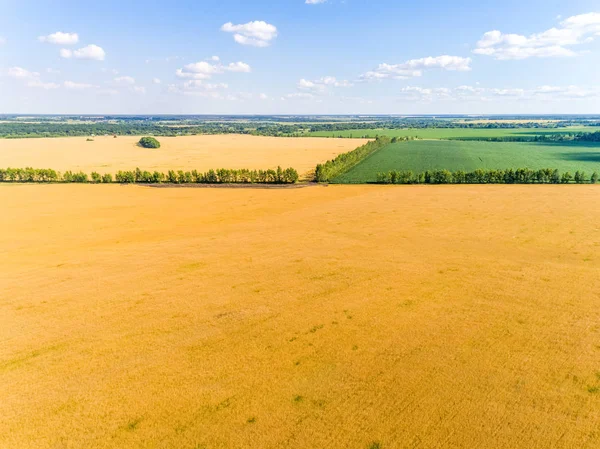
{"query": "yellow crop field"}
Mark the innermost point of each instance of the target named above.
(320, 317)
(109, 155)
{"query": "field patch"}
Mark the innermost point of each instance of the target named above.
(419, 156)
(109, 155)
(327, 317)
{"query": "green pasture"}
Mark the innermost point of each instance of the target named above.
(422, 155)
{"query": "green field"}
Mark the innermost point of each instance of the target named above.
(453, 133)
(422, 155)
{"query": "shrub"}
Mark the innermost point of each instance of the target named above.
(566, 178)
(149, 142)
(172, 177)
(594, 178)
(96, 178)
(125, 177)
(158, 177)
(107, 178)
(441, 177)
(459, 177)
(579, 177)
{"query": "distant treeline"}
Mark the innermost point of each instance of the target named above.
(480, 176)
(16, 129)
(48, 129)
(220, 176)
(345, 161)
(423, 123)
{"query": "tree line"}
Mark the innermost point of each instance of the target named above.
(137, 176)
(182, 127)
(481, 176)
(345, 161)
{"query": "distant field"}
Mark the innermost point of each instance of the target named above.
(108, 155)
(452, 133)
(424, 155)
(461, 317)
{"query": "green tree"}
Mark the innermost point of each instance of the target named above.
(566, 178)
(149, 142)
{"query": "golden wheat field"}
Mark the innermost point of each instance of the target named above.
(109, 155)
(323, 317)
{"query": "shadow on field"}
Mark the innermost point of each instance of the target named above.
(581, 156)
(550, 132)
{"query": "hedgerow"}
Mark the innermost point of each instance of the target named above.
(510, 176)
(345, 161)
(137, 176)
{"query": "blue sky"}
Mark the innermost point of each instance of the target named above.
(288, 57)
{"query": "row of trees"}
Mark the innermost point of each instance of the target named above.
(220, 176)
(345, 161)
(30, 130)
(263, 126)
(480, 176)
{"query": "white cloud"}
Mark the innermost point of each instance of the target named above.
(199, 88)
(199, 84)
(305, 84)
(415, 67)
(42, 85)
(2, 40)
(476, 93)
(90, 52)
(566, 92)
(508, 92)
(238, 67)
(321, 85)
(32, 78)
(576, 30)
(139, 90)
(198, 70)
(414, 93)
(215, 58)
(257, 33)
(108, 92)
(77, 86)
(263, 96)
(60, 38)
(314, 2)
(300, 95)
(204, 70)
(156, 80)
(21, 73)
(52, 71)
(125, 80)
(186, 74)
(332, 81)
